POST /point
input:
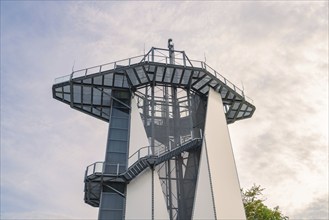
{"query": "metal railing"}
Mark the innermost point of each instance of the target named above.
(147, 151)
(98, 168)
(99, 68)
(152, 57)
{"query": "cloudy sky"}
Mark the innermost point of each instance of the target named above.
(277, 50)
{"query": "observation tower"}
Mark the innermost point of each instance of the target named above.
(168, 152)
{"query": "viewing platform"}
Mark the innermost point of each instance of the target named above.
(88, 90)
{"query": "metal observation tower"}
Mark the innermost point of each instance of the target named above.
(168, 152)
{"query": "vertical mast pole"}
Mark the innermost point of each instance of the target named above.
(171, 51)
(168, 163)
(179, 158)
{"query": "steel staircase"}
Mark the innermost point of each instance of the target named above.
(94, 180)
(137, 167)
(146, 161)
(149, 161)
(194, 144)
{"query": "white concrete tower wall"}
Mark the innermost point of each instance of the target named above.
(203, 202)
(139, 190)
(160, 207)
(138, 138)
(139, 197)
(217, 153)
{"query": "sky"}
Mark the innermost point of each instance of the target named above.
(276, 50)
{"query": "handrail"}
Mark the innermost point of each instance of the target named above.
(146, 59)
(92, 167)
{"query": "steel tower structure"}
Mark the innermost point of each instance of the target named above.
(168, 153)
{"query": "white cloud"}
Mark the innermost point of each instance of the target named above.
(278, 50)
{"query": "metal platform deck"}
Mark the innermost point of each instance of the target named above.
(89, 90)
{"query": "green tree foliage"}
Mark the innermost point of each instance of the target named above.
(255, 208)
